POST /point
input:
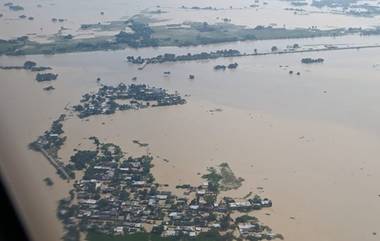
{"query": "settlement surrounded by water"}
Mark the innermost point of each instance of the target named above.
(111, 194)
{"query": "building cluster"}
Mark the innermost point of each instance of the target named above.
(40, 77)
(224, 67)
(312, 61)
(52, 139)
(13, 7)
(187, 57)
(141, 35)
(49, 144)
(28, 65)
(109, 99)
(118, 196)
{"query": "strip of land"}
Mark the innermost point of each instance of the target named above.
(168, 57)
(136, 33)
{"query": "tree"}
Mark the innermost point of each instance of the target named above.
(102, 204)
(210, 199)
(82, 158)
(124, 195)
(225, 222)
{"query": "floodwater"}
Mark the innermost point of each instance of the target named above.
(75, 13)
(310, 141)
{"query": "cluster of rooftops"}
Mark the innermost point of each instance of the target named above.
(118, 196)
(139, 96)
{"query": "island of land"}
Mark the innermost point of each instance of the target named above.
(136, 33)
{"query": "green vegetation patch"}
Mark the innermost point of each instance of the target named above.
(222, 178)
(246, 219)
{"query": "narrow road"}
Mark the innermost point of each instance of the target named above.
(55, 163)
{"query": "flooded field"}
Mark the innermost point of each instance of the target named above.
(242, 12)
(309, 142)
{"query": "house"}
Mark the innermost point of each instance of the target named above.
(194, 207)
(215, 225)
(138, 183)
(169, 233)
(201, 192)
(247, 228)
(87, 201)
(162, 197)
(119, 230)
(266, 202)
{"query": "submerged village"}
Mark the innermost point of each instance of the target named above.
(117, 195)
(114, 195)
